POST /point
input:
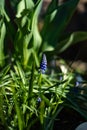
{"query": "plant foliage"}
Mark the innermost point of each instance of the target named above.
(27, 96)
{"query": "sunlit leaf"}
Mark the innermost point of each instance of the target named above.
(2, 37)
(72, 39)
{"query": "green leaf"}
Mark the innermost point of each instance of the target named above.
(20, 8)
(49, 125)
(2, 37)
(31, 82)
(24, 4)
(21, 73)
(2, 2)
(2, 117)
(74, 105)
(59, 18)
(52, 6)
(16, 104)
(72, 39)
(28, 39)
(29, 4)
(34, 29)
(42, 109)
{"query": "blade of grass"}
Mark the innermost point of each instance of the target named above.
(31, 82)
(53, 118)
(42, 110)
(21, 73)
(2, 117)
(2, 36)
(76, 107)
(17, 107)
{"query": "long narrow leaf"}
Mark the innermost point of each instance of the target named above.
(31, 83)
(2, 37)
(52, 31)
(17, 107)
(72, 39)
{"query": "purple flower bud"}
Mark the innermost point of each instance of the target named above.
(39, 99)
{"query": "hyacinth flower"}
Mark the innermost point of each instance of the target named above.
(43, 64)
(43, 67)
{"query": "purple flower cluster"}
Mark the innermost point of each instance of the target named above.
(43, 64)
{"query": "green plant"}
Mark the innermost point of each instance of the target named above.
(20, 29)
(29, 97)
